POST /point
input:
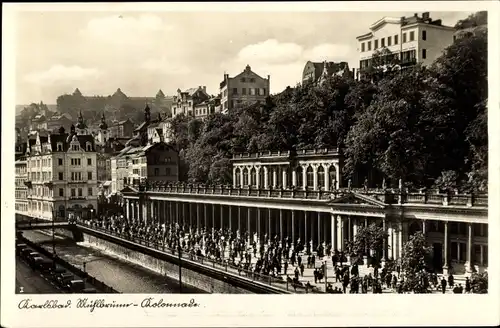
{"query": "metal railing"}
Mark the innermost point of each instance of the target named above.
(387, 196)
(220, 265)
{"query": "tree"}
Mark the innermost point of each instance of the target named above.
(414, 264)
(477, 19)
(370, 238)
(479, 283)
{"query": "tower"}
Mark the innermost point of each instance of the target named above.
(81, 128)
(147, 114)
(102, 135)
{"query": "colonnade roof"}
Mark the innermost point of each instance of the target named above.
(288, 154)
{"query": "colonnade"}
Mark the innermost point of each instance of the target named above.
(324, 175)
(310, 227)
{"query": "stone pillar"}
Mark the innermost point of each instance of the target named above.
(306, 237)
(445, 248)
(333, 231)
(304, 177)
(315, 176)
(340, 233)
(249, 227)
(354, 227)
(482, 255)
(390, 232)
(242, 183)
(128, 209)
(230, 214)
(239, 219)
(269, 225)
(234, 176)
(326, 169)
(294, 178)
(221, 211)
(266, 177)
(400, 240)
(213, 215)
(198, 219)
(384, 245)
(319, 228)
(468, 263)
(424, 230)
(293, 226)
(284, 178)
(349, 228)
(259, 231)
(178, 217)
(257, 177)
(337, 169)
(275, 176)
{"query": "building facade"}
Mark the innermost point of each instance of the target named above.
(315, 72)
(61, 175)
(121, 129)
(405, 40)
(207, 107)
(185, 101)
(21, 190)
(244, 89)
(315, 169)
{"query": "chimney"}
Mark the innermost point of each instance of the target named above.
(426, 15)
(205, 88)
(415, 14)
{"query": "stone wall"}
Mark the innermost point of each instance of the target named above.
(189, 277)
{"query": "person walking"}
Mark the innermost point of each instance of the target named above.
(443, 285)
(467, 285)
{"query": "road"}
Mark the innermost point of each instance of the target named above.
(32, 282)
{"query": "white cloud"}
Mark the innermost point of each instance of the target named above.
(60, 73)
(270, 52)
(165, 66)
(125, 30)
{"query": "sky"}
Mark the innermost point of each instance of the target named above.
(142, 52)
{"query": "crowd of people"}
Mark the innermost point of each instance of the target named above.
(270, 257)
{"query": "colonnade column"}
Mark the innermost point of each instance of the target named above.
(294, 178)
(250, 237)
(284, 178)
(127, 209)
(266, 178)
(205, 216)
(304, 177)
(445, 248)
(468, 264)
(198, 220)
(326, 170)
(306, 239)
(349, 228)
(281, 224)
(230, 214)
(337, 169)
(221, 211)
(275, 177)
(259, 231)
(257, 177)
(269, 223)
(333, 231)
(293, 226)
(239, 219)
(241, 175)
(319, 228)
(234, 176)
(384, 244)
(340, 233)
(315, 176)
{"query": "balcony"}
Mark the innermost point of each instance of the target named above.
(77, 198)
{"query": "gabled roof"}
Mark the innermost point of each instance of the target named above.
(353, 198)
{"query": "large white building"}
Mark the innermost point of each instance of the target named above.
(61, 174)
(409, 40)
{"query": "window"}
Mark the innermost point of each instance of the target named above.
(61, 192)
(80, 192)
(424, 35)
(235, 91)
(61, 176)
(89, 191)
(424, 53)
(89, 161)
(412, 36)
(252, 80)
(252, 91)
(89, 175)
(396, 39)
(389, 41)
(310, 176)
(243, 91)
(362, 46)
(404, 37)
(243, 80)
(375, 44)
(73, 192)
(369, 45)
(382, 42)
(167, 171)
(263, 92)
(59, 146)
(454, 38)
(157, 171)
(75, 147)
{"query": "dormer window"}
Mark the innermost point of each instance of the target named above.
(59, 146)
(75, 147)
(88, 146)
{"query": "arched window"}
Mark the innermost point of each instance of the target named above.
(310, 176)
(238, 177)
(321, 177)
(333, 177)
(300, 182)
(245, 177)
(253, 177)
